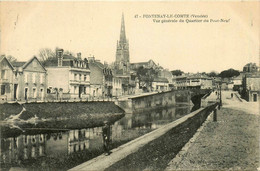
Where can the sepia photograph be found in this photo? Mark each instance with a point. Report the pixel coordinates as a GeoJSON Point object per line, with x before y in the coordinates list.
{"type": "Point", "coordinates": [129, 86]}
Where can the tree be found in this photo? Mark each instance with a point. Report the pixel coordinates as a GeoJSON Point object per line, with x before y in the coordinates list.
{"type": "Point", "coordinates": [177, 72]}
{"type": "Point", "coordinates": [229, 73]}
{"type": "Point", "coordinates": [146, 77]}
{"type": "Point", "coordinates": [10, 58]}
{"type": "Point", "coordinates": [67, 52]}
{"type": "Point", "coordinates": [49, 54]}
{"type": "Point", "coordinates": [212, 74]}
{"type": "Point", "coordinates": [45, 54]}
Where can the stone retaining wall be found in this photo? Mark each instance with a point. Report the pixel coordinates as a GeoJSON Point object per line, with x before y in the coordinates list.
{"type": "Point", "coordinates": [151, 101]}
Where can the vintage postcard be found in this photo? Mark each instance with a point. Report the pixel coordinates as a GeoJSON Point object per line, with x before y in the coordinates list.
{"type": "Point", "coordinates": [128, 85]}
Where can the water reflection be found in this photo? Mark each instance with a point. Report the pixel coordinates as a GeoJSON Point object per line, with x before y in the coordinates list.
{"type": "Point", "coordinates": [59, 146]}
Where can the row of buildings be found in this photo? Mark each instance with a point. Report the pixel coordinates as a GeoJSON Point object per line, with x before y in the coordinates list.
{"type": "Point", "coordinates": [74, 77]}
{"type": "Point", "coordinates": [71, 77]}
{"type": "Point", "coordinates": [67, 77]}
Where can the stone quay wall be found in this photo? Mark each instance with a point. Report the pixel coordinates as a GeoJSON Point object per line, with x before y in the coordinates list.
{"type": "Point", "coordinates": [157, 100]}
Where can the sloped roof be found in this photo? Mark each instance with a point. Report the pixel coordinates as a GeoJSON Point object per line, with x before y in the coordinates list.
{"type": "Point", "coordinates": [51, 62]}
{"type": "Point", "coordinates": [68, 57]}
{"type": "Point", "coordinates": [4, 58]}
{"type": "Point", "coordinates": [27, 63]}
{"type": "Point", "coordinates": [160, 80]}
{"type": "Point", "coordinates": [18, 64]}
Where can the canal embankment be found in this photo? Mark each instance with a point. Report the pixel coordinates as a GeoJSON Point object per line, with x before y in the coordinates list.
{"type": "Point", "coordinates": [149, 148]}
{"type": "Point", "coordinates": [144, 102]}
{"type": "Point", "coordinates": [57, 114]}
{"type": "Point", "coordinates": [57, 109]}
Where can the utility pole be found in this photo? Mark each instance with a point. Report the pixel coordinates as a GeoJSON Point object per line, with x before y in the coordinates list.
{"type": "Point", "coordinates": [220, 101]}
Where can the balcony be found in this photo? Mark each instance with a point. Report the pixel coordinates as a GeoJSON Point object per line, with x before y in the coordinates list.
{"type": "Point", "coordinates": [87, 82]}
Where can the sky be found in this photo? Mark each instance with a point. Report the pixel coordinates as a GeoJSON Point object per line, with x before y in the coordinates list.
{"type": "Point", "coordinates": [93, 28]}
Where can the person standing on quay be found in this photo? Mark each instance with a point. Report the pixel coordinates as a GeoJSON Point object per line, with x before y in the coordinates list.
{"type": "Point", "coordinates": [106, 137]}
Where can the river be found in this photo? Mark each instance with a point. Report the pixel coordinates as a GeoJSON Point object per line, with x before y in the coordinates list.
{"type": "Point", "coordinates": [61, 149]}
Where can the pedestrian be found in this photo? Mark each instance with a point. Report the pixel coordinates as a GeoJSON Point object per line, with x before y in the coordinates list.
{"type": "Point", "coordinates": [231, 95]}
{"type": "Point", "coordinates": [106, 137]}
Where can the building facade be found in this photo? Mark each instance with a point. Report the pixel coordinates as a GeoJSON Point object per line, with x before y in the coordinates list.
{"type": "Point", "coordinates": [192, 82]}
{"type": "Point", "coordinates": [68, 76]}
{"type": "Point", "coordinates": [97, 78]}
{"type": "Point", "coordinates": [108, 81]}
{"type": "Point", "coordinates": [149, 64]}
{"type": "Point", "coordinates": [160, 84]}
{"type": "Point", "coordinates": [117, 86]}
{"type": "Point", "coordinates": [251, 87]}
{"type": "Point", "coordinates": [7, 81]}
{"type": "Point", "coordinates": [31, 78]}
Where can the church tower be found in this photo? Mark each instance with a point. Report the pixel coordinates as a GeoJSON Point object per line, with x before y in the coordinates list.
{"type": "Point", "coordinates": [122, 50]}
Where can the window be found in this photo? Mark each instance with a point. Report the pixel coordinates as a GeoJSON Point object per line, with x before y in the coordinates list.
{"type": "Point", "coordinates": [41, 151]}
{"type": "Point", "coordinates": [34, 92]}
{"type": "Point", "coordinates": [80, 77]}
{"type": "Point", "coordinates": [25, 77]}
{"type": "Point", "coordinates": [26, 92]}
{"type": "Point", "coordinates": [41, 78]}
{"type": "Point", "coordinates": [33, 152]}
{"type": "Point", "coordinates": [75, 76]}
{"type": "Point", "coordinates": [25, 153]}
{"type": "Point", "coordinates": [3, 75]}
{"type": "Point", "coordinates": [34, 78]}
{"type": "Point", "coordinates": [49, 90]}
{"type": "Point", "coordinates": [85, 77]}
{"type": "Point", "coordinates": [2, 89]}
{"type": "Point", "coordinates": [84, 90]}
{"type": "Point", "coordinates": [75, 89]}
{"type": "Point", "coordinates": [25, 138]}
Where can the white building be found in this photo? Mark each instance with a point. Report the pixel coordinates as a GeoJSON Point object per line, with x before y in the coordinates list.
{"type": "Point", "coordinates": [69, 76]}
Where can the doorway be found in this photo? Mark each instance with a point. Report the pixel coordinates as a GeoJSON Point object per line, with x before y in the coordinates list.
{"type": "Point", "coordinates": [255, 97]}
{"type": "Point", "coordinates": [80, 90]}
{"type": "Point", "coordinates": [15, 91]}
{"type": "Point", "coordinates": [41, 93]}
{"type": "Point", "coordinates": [26, 93]}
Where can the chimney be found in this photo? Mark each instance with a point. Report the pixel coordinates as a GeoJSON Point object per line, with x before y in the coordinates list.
{"type": "Point", "coordinates": [91, 59]}
{"type": "Point", "coordinates": [79, 55]}
{"type": "Point", "coordinates": [59, 55]}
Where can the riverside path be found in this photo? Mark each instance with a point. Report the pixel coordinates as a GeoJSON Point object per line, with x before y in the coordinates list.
{"type": "Point", "coordinates": [231, 143]}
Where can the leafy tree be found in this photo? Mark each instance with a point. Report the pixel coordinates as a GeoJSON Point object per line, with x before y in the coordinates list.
{"type": "Point", "coordinates": [212, 74]}
{"type": "Point", "coordinates": [146, 77]}
{"type": "Point", "coordinates": [229, 73]}
{"type": "Point", "coordinates": [177, 72]}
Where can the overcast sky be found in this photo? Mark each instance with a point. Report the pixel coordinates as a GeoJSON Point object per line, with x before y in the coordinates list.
{"type": "Point", "coordinates": [94, 28]}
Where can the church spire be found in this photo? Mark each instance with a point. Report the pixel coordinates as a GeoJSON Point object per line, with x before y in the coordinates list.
{"type": "Point", "coordinates": [122, 50]}
{"type": "Point", "coordinates": [122, 31]}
